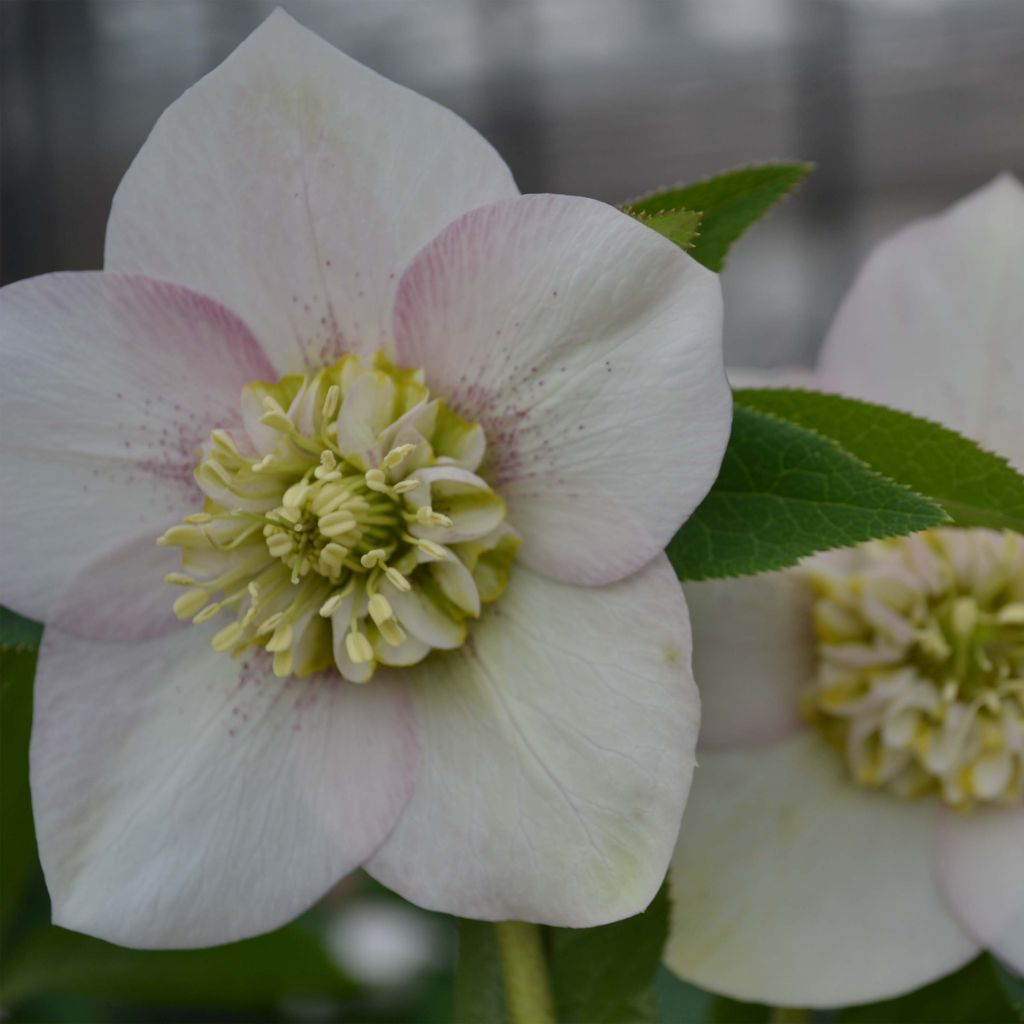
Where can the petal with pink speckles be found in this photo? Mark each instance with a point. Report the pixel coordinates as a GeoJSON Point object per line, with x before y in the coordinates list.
{"type": "Point", "coordinates": [111, 383]}
{"type": "Point", "coordinates": [183, 798]}
{"type": "Point", "coordinates": [295, 185]}
{"type": "Point", "coordinates": [933, 323]}
{"type": "Point", "coordinates": [589, 347]}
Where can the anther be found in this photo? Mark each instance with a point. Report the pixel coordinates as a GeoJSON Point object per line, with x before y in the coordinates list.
{"type": "Point", "coordinates": [190, 602]}
{"type": "Point", "coordinates": [280, 544]}
{"type": "Point", "coordinates": [404, 486]}
{"type": "Point", "coordinates": [281, 639]}
{"type": "Point", "coordinates": [432, 550]}
{"type": "Point", "coordinates": [183, 537]}
{"type": "Point", "coordinates": [332, 559]}
{"type": "Point", "coordinates": [283, 663]}
{"type": "Point", "coordinates": [179, 579]}
{"type": "Point", "coordinates": [359, 649]}
{"type": "Point", "coordinates": [398, 581]}
{"type": "Point", "coordinates": [396, 455]}
{"type": "Point", "coordinates": [334, 524]}
{"type": "Point", "coordinates": [332, 604]}
{"type": "Point", "coordinates": [372, 558]}
{"type": "Point", "coordinates": [295, 494]}
{"type": "Point", "coordinates": [207, 613]}
{"type": "Point", "coordinates": [384, 619]}
{"type": "Point", "coordinates": [331, 402]}
{"type": "Point", "coordinates": [375, 481]}
{"type": "Point", "coordinates": [275, 416]}
{"type": "Point", "coordinates": [270, 623]}
{"type": "Point", "coordinates": [223, 440]}
{"type": "Point", "coordinates": [426, 516]}
{"type": "Point", "coordinates": [226, 638]}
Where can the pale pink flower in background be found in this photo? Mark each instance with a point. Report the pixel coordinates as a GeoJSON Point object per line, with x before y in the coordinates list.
{"type": "Point", "coordinates": [792, 883]}
{"type": "Point", "coordinates": [293, 214]}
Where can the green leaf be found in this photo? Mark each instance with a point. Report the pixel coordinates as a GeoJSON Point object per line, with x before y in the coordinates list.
{"type": "Point", "coordinates": [969, 996]}
{"type": "Point", "coordinates": [728, 204]}
{"type": "Point", "coordinates": [679, 226]}
{"type": "Point", "coordinates": [17, 835]}
{"type": "Point", "coordinates": [18, 633]}
{"type": "Point", "coordinates": [784, 492]}
{"type": "Point", "coordinates": [975, 487]}
{"type": "Point", "coordinates": [1012, 985]}
{"type": "Point", "coordinates": [606, 975]}
{"type": "Point", "coordinates": [680, 1000]}
{"type": "Point", "coordinates": [287, 963]}
{"type": "Point", "coordinates": [479, 987]}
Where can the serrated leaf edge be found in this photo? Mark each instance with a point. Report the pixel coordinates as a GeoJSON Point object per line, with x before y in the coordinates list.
{"type": "Point", "coordinates": [808, 165]}
{"type": "Point", "coordinates": [826, 547]}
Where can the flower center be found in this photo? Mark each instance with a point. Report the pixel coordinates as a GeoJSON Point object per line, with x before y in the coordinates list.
{"type": "Point", "coordinates": [344, 524]}
{"type": "Point", "coordinates": [920, 681]}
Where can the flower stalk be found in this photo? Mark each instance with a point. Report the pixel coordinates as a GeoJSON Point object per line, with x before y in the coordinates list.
{"type": "Point", "coordinates": [524, 969]}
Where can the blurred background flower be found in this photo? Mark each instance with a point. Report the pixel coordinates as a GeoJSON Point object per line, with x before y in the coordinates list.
{"type": "Point", "coordinates": [904, 105]}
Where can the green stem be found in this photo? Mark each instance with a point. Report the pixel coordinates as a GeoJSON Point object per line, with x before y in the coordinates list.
{"type": "Point", "coordinates": [524, 967]}
{"type": "Point", "coordinates": [790, 1015]}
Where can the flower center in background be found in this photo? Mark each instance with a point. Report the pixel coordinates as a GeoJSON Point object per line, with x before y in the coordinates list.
{"type": "Point", "coordinates": [344, 525]}
{"type": "Point", "coordinates": [920, 680]}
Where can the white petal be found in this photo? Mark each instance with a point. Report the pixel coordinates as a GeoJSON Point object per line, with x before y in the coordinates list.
{"type": "Point", "coordinates": [111, 383]}
{"type": "Point", "coordinates": [792, 886]}
{"type": "Point", "coordinates": [183, 798]}
{"type": "Point", "coordinates": [933, 323]}
{"type": "Point", "coordinates": [589, 347]}
{"type": "Point", "coordinates": [753, 652]}
{"type": "Point", "coordinates": [295, 185]}
{"type": "Point", "coordinates": [981, 859]}
{"type": "Point", "coordinates": [557, 750]}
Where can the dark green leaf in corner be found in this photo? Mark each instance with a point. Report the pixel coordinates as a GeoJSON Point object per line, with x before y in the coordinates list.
{"type": "Point", "coordinates": [1012, 985]}
{"type": "Point", "coordinates": [606, 975]}
{"type": "Point", "coordinates": [17, 835]}
{"type": "Point", "coordinates": [785, 492]}
{"type": "Point", "coordinates": [679, 226]}
{"type": "Point", "coordinates": [18, 633]}
{"type": "Point", "coordinates": [288, 963]}
{"type": "Point", "coordinates": [975, 487]}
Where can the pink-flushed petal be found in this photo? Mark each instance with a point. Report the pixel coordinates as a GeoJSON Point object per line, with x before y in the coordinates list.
{"type": "Point", "coordinates": [558, 746]}
{"type": "Point", "coordinates": [793, 886]}
{"type": "Point", "coordinates": [294, 185]}
{"type": "Point", "coordinates": [183, 798]}
{"type": "Point", "coordinates": [111, 383]}
{"type": "Point", "coordinates": [981, 864]}
{"type": "Point", "coordinates": [933, 322]}
{"type": "Point", "coordinates": [122, 596]}
{"type": "Point", "coordinates": [753, 652]}
{"type": "Point", "coordinates": [590, 349]}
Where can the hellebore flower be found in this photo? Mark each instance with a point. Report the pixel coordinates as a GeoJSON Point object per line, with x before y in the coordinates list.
{"type": "Point", "coordinates": [348, 375]}
{"type": "Point", "coordinates": [857, 824]}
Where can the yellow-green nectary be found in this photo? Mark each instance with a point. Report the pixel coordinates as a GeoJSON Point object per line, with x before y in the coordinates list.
{"type": "Point", "coordinates": [346, 526]}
